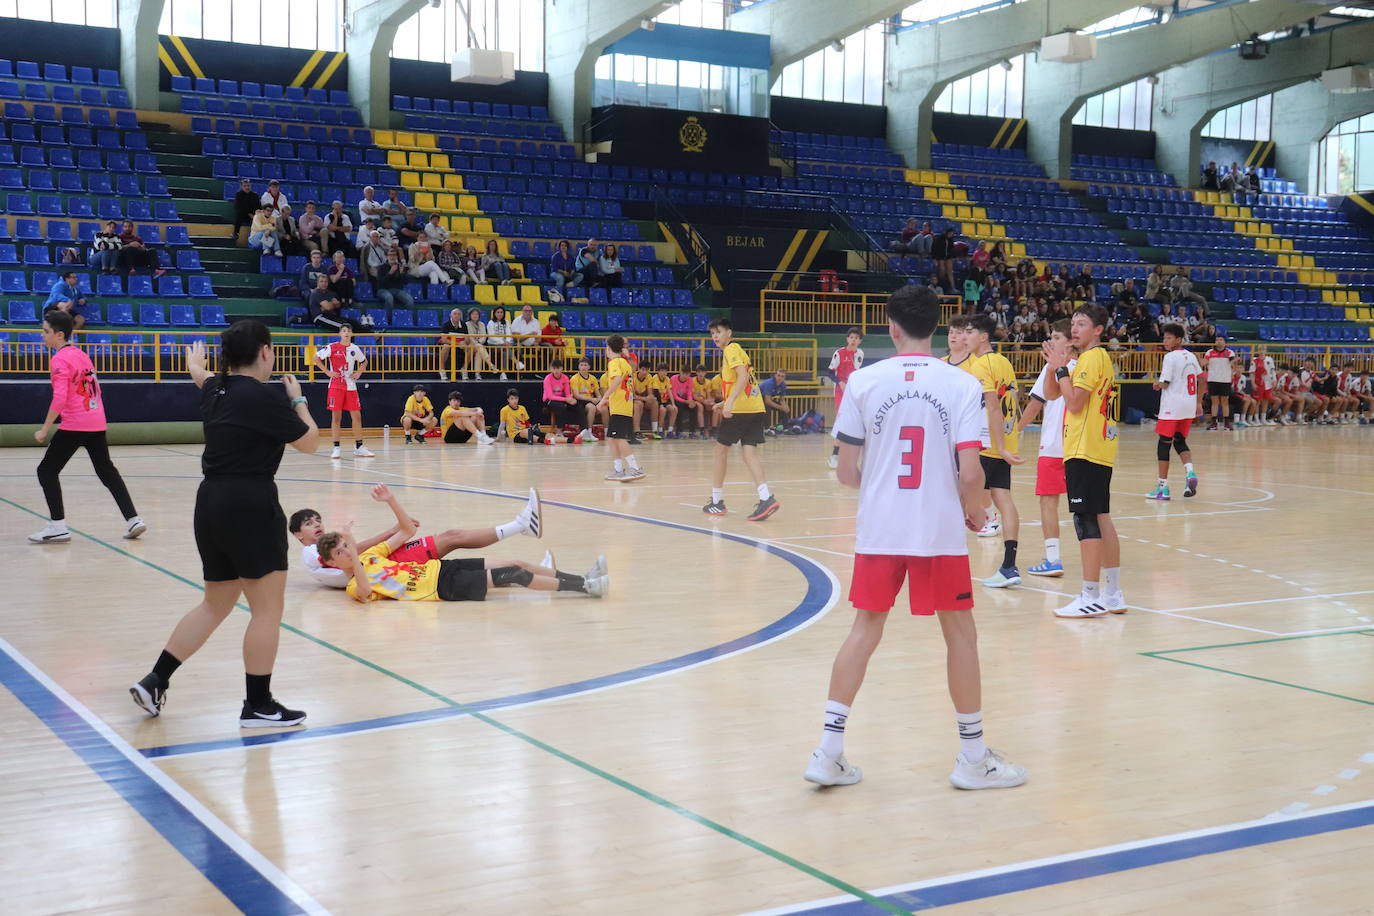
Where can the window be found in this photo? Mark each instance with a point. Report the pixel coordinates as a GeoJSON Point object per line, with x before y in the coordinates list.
{"type": "Point", "coordinates": [1127, 107]}
{"type": "Point", "coordinates": [76, 12]}
{"type": "Point", "coordinates": [631, 79]}
{"type": "Point", "coordinates": [1128, 21]}
{"type": "Point", "coordinates": [436, 34]}
{"type": "Point", "coordinates": [928, 12]}
{"type": "Point", "coordinates": [1345, 157]}
{"type": "Point", "coordinates": [995, 92]}
{"type": "Point", "coordinates": [1250, 120]}
{"type": "Point", "coordinates": [308, 24]}
{"type": "Point", "coordinates": [855, 73]}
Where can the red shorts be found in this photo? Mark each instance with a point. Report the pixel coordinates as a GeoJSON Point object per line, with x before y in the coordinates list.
{"type": "Point", "coordinates": [1264, 394]}
{"type": "Point", "coordinates": [1049, 476]}
{"type": "Point", "coordinates": [933, 583]}
{"type": "Point", "coordinates": [1170, 428]}
{"type": "Point", "coordinates": [839, 397]}
{"type": "Point", "coordinates": [342, 399]}
{"type": "Point", "coordinates": [420, 550]}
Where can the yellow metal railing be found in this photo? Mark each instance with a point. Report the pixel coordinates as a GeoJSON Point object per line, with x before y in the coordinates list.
{"type": "Point", "coordinates": [833, 311]}
{"type": "Point", "coordinates": [160, 355]}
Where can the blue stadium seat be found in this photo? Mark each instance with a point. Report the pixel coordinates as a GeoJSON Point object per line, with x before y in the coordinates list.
{"type": "Point", "coordinates": [119, 314]}
{"type": "Point", "coordinates": [182, 316]}
{"type": "Point", "coordinates": [199, 286]}
{"type": "Point", "coordinates": [23, 312]}
{"type": "Point", "coordinates": [152, 316]}
{"type": "Point", "coordinates": [212, 316]}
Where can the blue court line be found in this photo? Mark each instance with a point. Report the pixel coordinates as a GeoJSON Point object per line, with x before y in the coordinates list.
{"type": "Point", "coordinates": [820, 592]}
{"type": "Point", "coordinates": [940, 892]}
{"type": "Point", "coordinates": [203, 847]}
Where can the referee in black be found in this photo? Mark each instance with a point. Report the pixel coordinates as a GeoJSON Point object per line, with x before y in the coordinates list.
{"type": "Point", "coordinates": [239, 525]}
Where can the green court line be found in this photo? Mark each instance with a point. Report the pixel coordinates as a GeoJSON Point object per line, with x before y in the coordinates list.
{"type": "Point", "coordinates": [513, 732]}
{"type": "Point", "coordinates": [1254, 677]}
{"type": "Point", "coordinates": [1257, 642]}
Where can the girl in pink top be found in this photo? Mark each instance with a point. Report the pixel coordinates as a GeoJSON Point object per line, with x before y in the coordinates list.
{"type": "Point", "coordinates": [558, 397]}
{"type": "Point", "coordinates": [76, 399]}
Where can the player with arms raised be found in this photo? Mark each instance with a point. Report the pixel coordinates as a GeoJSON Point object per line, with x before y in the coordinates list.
{"type": "Point", "coordinates": [916, 422]}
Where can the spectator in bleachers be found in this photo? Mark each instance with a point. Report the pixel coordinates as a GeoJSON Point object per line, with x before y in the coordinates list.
{"type": "Point", "coordinates": [980, 257]}
{"type": "Point", "coordinates": [1201, 331]}
{"type": "Point", "coordinates": [337, 228]}
{"type": "Point", "coordinates": [372, 255]}
{"type": "Point", "coordinates": [309, 225]}
{"type": "Point", "coordinates": [920, 245]}
{"type": "Point", "coordinates": [273, 199]}
{"type": "Point", "coordinates": [1252, 180]}
{"type": "Point", "coordinates": [1181, 291]}
{"type": "Point", "coordinates": [997, 258]}
{"type": "Point", "coordinates": [390, 282]}
{"type": "Point", "coordinates": [411, 229]}
{"type": "Point", "coordinates": [421, 264]}
{"type": "Point", "coordinates": [973, 293]}
{"type": "Point", "coordinates": [311, 272]}
{"type": "Point", "coordinates": [1085, 277]}
{"type": "Point", "coordinates": [370, 209]}
{"type": "Point", "coordinates": [611, 273]}
{"type": "Point", "coordinates": [498, 336]}
{"type": "Point", "coordinates": [450, 260]}
{"type": "Point", "coordinates": [589, 262]}
{"type": "Point", "coordinates": [134, 255]}
{"type": "Point", "coordinates": [289, 233]}
{"type": "Point", "coordinates": [66, 296]}
{"type": "Point", "coordinates": [326, 312]}
{"type": "Point", "coordinates": [1211, 181]}
{"type": "Point", "coordinates": [933, 284]}
{"type": "Point", "coordinates": [388, 234]}
{"type": "Point", "coordinates": [1234, 179]}
{"type": "Point", "coordinates": [902, 244]}
{"type": "Point", "coordinates": [527, 333]}
{"type": "Point", "coordinates": [552, 333]}
{"type": "Point", "coordinates": [942, 252]}
{"type": "Point", "coordinates": [472, 265]}
{"type": "Point", "coordinates": [563, 266]}
{"type": "Point", "coordinates": [107, 245]}
{"type": "Point", "coordinates": [262, 234]}
{"type": "Point", "coordinates": [246, 203]}
{"type": "Point", "coordinates": [474, 342]}
{"type": "Point", "coordinates": [436, 233]}
{"type": "Point", "coordinates": [1141, 328]}
{"type": "Point", "coordinates": [1157, 285]}
{"type": "Point", "coordinates": [494, 264]}
{"type": "Point", "coordinates": [395, 207]}
{"type": "Point", "coordinates": [1126, 296]}
{"type": "Point", "coordinates": [341, 279]}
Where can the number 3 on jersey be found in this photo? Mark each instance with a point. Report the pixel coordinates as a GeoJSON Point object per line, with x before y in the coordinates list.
{"type": "Point", "coordinates": [915, 438]}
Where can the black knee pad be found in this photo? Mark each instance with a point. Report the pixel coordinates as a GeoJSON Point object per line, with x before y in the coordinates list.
{"type": "Point", "coordinates": [1086, 527]}
{"type": "Point", "coordinates": [1180, 444]}
{"type": "Point", "coordinates": [1162, 448]}
{"type": "Point", "coordinates": [506, 576]}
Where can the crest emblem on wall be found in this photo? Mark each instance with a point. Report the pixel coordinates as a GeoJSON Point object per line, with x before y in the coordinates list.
{"type": "Point", "coordinates": [692, 135]}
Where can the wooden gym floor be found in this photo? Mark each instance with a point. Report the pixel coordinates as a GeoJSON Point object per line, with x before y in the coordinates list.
{"type": "Point", "coordinates": [1210, 751]}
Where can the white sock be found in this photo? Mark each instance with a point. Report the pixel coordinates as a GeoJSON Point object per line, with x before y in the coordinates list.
{"type": "Point", "coordinates": [510, 529]}
{"type": "Point", "coordinates": [764, 492]}
{"type": "Point", "coordinates": [832, 736]}
{"type": "Point", "coordinates": [1052, 549]}
{"type": "Point", "coordinates": [717, 495]}
{"type": "Point", "coordinates": [619, 466]}
{"type": "Point", "coordinates": [1090, 591]}
{"type": "Point", "coordinates": [633, 462]}
{"type": "Point", "coordinates": [61, 523]}
{"type": "Point", "coordinates": [1163, 481]}
{"type": "Point", "coordinates": [1113, 580]}
{"type": "Point", "coordinates": [654, 426]}
{"type": "Point", "coordinates": [1188, 468]}
{"type": "Point", "coordinates": [971, 735]}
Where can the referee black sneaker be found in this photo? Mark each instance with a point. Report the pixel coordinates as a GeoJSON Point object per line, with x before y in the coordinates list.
{"type": "Point", "coordinates": [149, 695]}
{"type": "Point", "coordinates": [273, 715]}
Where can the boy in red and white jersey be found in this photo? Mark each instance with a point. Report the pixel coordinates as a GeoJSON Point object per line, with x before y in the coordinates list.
{"type": "Point", "coordinates": [1263, 372]}
{"type": "Point", "coordinates": [916, 422]}
{"type": "Point", "coordinates": [343, 362]}
{"type": "Point", "coordinates": [843, 363]}
{"type": "Point", "coordinates": [1363, 392]}
{"type": "Point", "coordinates": [1345, 376]}
{"type": "Point", "coordinates": [1049, 468]}
{"type": "Point", "coordinates": [1243, 391]}
{"type": "Point", "coordinates": [1180, 401]}
{"type": "Point", "coordinates": [1218, 363]}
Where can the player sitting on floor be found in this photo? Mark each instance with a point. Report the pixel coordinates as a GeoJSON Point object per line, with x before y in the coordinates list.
{"type": "Point", "coordinates": [458, 424]}
{"type": "Point", "coordinates": [308, 527]}
{"type": "Point", "coordinates": [515, 420]}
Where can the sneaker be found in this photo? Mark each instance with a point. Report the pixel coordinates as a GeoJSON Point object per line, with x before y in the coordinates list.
{"type": "Point", "coordinates": [633, 474]}
{"type": "Point", "coordinates": [1046, 568]}
{"type": "Point", "coordinates": [1160, 492]}
{"type": "Point", "coordinates": [52, 533]}
{"type": "Point", "coordinates": [1241, 424]}
{"type": "Point", "coordinates": [635, 439]}
{"type": "Point", "coordinates": [597, 587]}
{"type": "Point", "coordinates": [618, 476]}
{"type": "Point", "coordinates": [273, 715]}
{"type": "Point", "coordinates": [832, 462]}
{"type": "Point", "coordinates": [991, 528]}
{"type": "Point", "coordinates": [335, 452]}
{"type": "Point", "coordinates": [1003, 578]}
{"type": "Point", "coordinates": [533, 515]}
{"type": "Point", "coordinates": [134, 527]}
{"type": "Point", "coordinates": [1212, 426]}
{"type": "Point", "coordinates": [148, 696]}
{"type": "Point", "coordinates": [600, 569]}
{"type": "Point", "coordinates": [714, 508]}
{"type": "Point", "coordinates": [1081, 607]}
{"type": "Point", "coordinates": [484, 439]}
{"type": "Point", "coordinates": [519, 365]}
{"type": "Point", "coordinates": [549, 562]}
{"type": "Point", "coordinates": [420, 440]}
{"type": "Point", "coordinates": [1190, 485]}
{"type": "Point", "coordinates": [463, 374]}
{"type": "Point", "coordinates": [992, 772]}
{"type": "Point", "coordinates": [363, 451]}
{"type": "Point", "coordinates": [764, 509]}
{"type": "Point", "coordinates": [1230, 427]}
{"type": "Point", "coordinates": [1115, 603]}
{"type": "Point", "coordinates": [503, 377]}
{"type": "Point", "coordinates": [586, 436]}
{"type": "Point", "coordinates": [825, 770]}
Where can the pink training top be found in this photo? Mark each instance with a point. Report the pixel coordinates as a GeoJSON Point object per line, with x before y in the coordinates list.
{"type": "Point", "coordinates": [682, 388]}
{"type": "Point", "coordinates": [557, 389]}
{"type": "Point", "coordinates": [75, 391]}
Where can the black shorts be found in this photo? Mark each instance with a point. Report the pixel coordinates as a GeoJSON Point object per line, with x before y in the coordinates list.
{"type": "Point", "coordinates": [457, 436]}
{"type": "Point", "coordinates": [1089, 486]}
{"type": "Point", "coordinates": [240, 528]}
{"type": "Point", "coordinates": [1219, 389]}
{"type": "Point", "coordinates": [621, 427]}
{"type": "Point", "coordinates": [744, 428]}
{"type": "Point", "coordinates": [463, 580]}
{"type": "Point", "coordinates": [996, 473]}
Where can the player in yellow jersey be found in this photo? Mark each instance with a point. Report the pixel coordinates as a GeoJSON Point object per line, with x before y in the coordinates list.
{"type": "Point", "coordinates": [661, 386]}
{"type": "Point", "coordinates": [708, 396]}
{"type": "Point", "coordinates": [645, 401]}
{"type": "Point", "coordinates": [741, 420]}
{"type": "Point", "coordinates": [619, 374]}
{"type": "Point", "coordinates": [418, 412]}
{"type": "Point", "coordinates": [586, 392]}
{"type": "Point", "coordinates": [998, 378]}
{"type": "Point", "coordinates": [1090, 441]}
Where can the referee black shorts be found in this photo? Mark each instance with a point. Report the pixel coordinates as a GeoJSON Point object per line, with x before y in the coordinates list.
{"type": "Point", "coordinates": [240, 528]}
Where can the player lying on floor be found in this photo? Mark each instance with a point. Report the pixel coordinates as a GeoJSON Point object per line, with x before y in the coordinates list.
{"type": "Point", "coordinates": [308, 527]}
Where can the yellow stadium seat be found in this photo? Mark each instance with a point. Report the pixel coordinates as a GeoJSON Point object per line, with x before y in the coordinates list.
{"type": "Point", "coordinates": [1304, 276]}
{"type": "Point", "coordinates": [410, 180]}
{"type": "Point", "coordinates": [418, 160]}
{"type": "Point", "coordinates": [1328, 296]}
{"type": "Point", "coordinates": [467, 203]}
{"type": "Point", "coordinates": [453, 182]}
{"type": "Point", "coordinates": [506, 295]}
{"type": "Point", "coordinates": [530, 295]}
{"type": "Point", "coordinates": [482, 226]}
{"type": "Point", "coordinates": [426, 141]}
{"type": "Point", "coordinates": [459, 225]}
{"type": "Point", "coordinates": [444, 202]}
{"type": "Point", "coordinates": [431, 180]}
{"type": "Point", "coordinates": [424, 201]}
{"type": "Point", "coordinates": [383, 138]}
{"type": "Point", "coordinates": [405, 138]}
{"type": "Point", "coordinates": [438, 162]}
{"type": "Point", "coordinates": [484, 293]}
{"type": "Point", "coordinates": [396, 159]}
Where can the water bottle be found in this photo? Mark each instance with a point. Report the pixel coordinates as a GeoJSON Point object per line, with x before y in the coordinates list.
{"type": "Point", "coordinates": [386, 436]}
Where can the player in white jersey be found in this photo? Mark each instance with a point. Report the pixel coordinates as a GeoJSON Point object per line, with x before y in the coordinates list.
{"type": "Point", "coordinates": [342, 361]}
{"type": "Point", "coordinates": [1180, 402]}
{"type": "Point", "coordinates": [843, 364]}
{"type": "Point", "coordinates": [1363, 392]}
{"type": "Point", "coordinates": [1049, 467]}
{"type": "Point", "coordinates": [916, 422]}
{"type": "Point", "coordinates": [1218, 361]}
